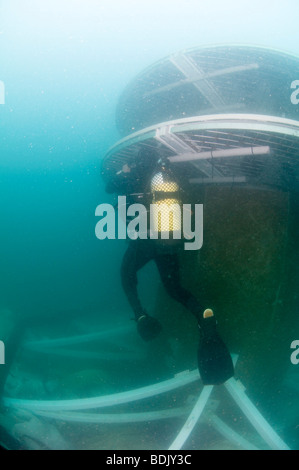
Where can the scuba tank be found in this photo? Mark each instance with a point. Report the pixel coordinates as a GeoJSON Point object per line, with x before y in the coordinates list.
{"type": "Point", "coordinates": [166, 205]}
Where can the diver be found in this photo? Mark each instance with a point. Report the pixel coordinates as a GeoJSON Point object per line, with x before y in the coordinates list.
{"type": "Point", "coordinates": [148, 178]}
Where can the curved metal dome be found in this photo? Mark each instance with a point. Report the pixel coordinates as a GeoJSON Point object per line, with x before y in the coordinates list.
{"type": "Point", "coordinates": [210, 80]}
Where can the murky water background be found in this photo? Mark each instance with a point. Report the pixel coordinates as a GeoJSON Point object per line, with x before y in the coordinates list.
{"type": "Point", "coordinates": [64, 66]}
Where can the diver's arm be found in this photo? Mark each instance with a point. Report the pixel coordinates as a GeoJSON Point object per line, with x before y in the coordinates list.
{"type": "Point", "coordinates": [121, 182]}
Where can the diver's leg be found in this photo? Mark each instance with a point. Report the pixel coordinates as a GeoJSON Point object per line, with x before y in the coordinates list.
{"type": "Point", "coordinates": [169, 269]}
{"type": "Point", "coordinates": [137, 255]}
{"type": "Point", "coordinates": [214, 360]}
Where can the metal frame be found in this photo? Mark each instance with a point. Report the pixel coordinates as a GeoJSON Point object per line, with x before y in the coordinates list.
{"type": "Point", "coordinates": [231, 122]}
{"type": "Point", "coordinates": [219, 78]}
{"type": "Point", "coordinates": [217, 148]}
{"type": "Point", "coordinates": [204, 410]}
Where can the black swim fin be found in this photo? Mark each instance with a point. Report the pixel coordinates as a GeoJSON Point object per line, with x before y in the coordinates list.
{"type": "Point", "coordinates": [215, 364]}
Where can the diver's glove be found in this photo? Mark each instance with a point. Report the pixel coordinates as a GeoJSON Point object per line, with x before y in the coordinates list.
{"type": "Point", "coordinates": [148, 327]}
{"type": "Point", "coordinates": [214, 360]}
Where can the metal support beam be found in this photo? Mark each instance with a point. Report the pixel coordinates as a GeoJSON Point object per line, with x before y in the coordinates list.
{"type": "Point", "coordinates": [173, 142]}
{"type": "Point", "coordinates": [196, 75]}
{"type": "Point", "coordinates": [187, 81]}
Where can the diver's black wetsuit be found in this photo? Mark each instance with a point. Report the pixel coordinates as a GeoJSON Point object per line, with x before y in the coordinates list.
{"type": "Point", "coordinates": [214, 361]}
{"type": "Point", "coordinates": [140, 252]}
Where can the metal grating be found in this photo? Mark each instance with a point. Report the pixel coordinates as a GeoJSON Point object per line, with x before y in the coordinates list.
{"type": "Point", "coordinates": [257, 150]}
{"type": "Point", "coordinates": [210, 80]}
